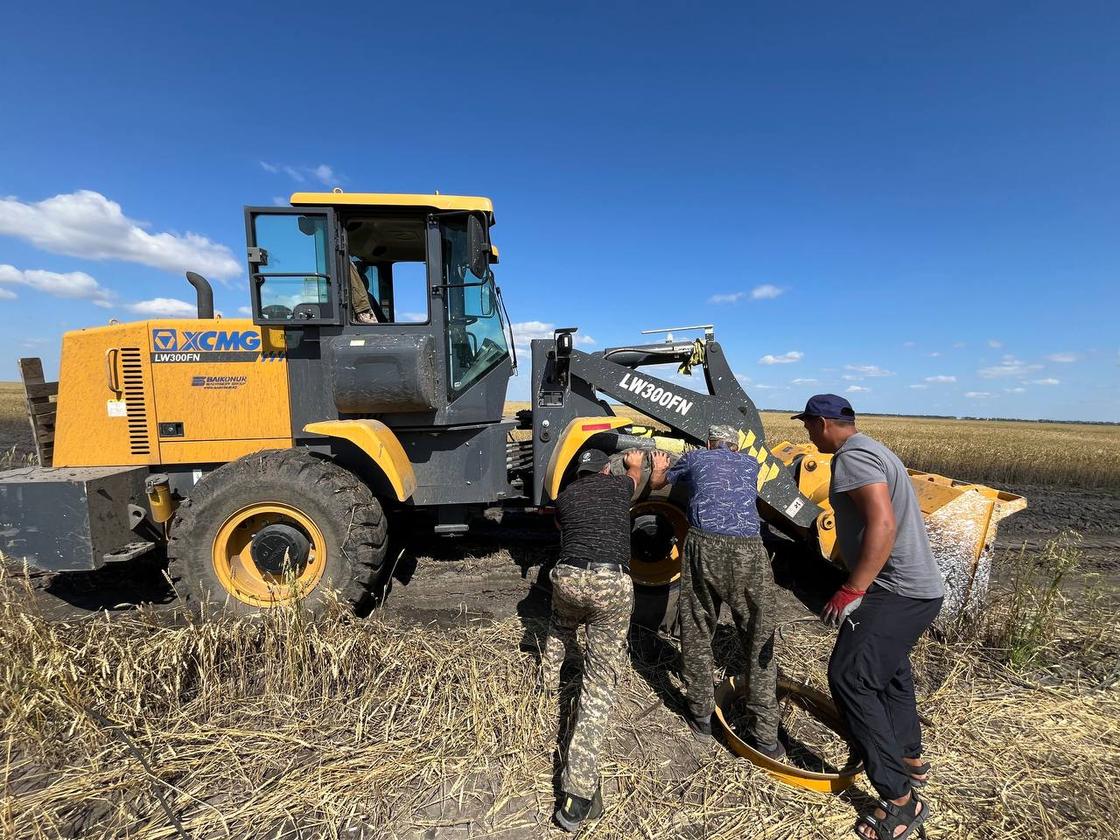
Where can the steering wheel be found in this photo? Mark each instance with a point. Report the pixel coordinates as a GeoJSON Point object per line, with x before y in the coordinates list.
{"type": "Point", "coordinates": [276, 312]}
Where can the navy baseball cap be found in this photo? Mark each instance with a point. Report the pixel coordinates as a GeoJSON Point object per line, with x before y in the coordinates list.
{"type": "Point", "coordinates": [591, 460]}
{"type": "Point", "coordinates": [829, 406]}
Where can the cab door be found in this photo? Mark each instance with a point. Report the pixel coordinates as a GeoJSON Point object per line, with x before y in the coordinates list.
{"type": "Point", "coordinates": [294, 270]}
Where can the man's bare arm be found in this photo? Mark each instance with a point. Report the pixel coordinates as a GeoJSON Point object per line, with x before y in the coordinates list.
{"type": "Point", "coordinates": [660, 468]}
{"type": "Point", "coordinates": [632, 460]}
{"type": "Point", "coordinates": [874, 502]}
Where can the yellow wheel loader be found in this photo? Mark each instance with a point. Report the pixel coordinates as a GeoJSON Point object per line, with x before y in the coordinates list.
{"type": "Point", "coordinates": [271, 454]}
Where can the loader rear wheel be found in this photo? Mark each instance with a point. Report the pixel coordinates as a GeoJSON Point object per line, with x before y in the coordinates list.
{"type": "Point", "coordinates": [278, 527]}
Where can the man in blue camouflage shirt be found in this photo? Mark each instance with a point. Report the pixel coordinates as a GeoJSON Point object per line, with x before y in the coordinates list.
{"type": "Point", "coordinates": [725, 563]}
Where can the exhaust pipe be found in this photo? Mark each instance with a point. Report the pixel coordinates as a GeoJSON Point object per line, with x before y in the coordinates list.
{"type": "Point", "coordinates": [204, 293]}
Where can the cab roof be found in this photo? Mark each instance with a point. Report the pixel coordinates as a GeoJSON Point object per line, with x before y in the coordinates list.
{"type": "Point", "coordinates": [436, 202]}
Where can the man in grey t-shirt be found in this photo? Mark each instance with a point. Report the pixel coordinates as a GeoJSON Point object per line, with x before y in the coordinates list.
{"type": "Point", "coordinates": [893, 593]}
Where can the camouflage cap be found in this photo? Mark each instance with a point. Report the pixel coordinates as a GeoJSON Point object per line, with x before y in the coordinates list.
{"type": "Point", "coordinates": [724, 434]}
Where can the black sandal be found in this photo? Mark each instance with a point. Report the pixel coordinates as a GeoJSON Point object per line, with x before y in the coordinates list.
{"type": "Point", "coordinates": [916, 770]}
{"type": "Point", "coordinates": [907, 815]}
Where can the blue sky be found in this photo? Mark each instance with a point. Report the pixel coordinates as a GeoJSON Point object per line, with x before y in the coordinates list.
{"type": "Point", "coordinates": [913, 204]}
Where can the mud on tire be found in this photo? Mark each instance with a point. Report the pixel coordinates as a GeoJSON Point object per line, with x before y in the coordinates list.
{"type": "Point", "coordinates": [347, 515]}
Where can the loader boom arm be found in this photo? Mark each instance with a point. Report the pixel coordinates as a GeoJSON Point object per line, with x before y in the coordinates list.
{"type": "Point", "coordinates": [692, 414]}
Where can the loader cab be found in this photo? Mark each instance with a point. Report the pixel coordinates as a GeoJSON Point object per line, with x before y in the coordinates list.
{"type": "Point", "coordinates": [389, 304]}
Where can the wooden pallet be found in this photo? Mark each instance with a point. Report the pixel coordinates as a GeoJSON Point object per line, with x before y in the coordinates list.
{"type": "Point", "coordinates": [41, 403]}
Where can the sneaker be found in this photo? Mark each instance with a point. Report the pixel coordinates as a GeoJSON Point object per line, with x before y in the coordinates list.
{"type": "Point", "coordinates": [775, 751]}
{"type": "Point", "coordinates": [701, 726]}
{"type": "Point", "coordinates": [575, 810]}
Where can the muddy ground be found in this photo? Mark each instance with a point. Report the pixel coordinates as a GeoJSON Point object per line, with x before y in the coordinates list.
{"type": "Point", "coordinates": [498, 569]}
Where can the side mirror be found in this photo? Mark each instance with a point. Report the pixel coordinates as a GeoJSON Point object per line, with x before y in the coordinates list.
{"type": "Point", "coordinates": [478, 247]}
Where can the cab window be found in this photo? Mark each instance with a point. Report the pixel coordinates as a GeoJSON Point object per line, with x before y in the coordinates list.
{"type": "Point", "coordinates": [388, 274]}
{"type": "Point", "coordinates": [476, 340]}
{"type": "Point", "coordinates": [293, 280]}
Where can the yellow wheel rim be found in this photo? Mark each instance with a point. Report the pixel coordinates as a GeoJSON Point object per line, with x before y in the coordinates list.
{"type": "Point", "coordinates": [731, 689]}
{"type": "Point", "coordinates": [240, 576]}
{"type": "Point", "coordinates": [667, 569]}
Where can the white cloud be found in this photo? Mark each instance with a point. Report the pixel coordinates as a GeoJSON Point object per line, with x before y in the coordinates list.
{"type": "Point", "coordinates": [164, 308]}
{"type": "Point", "coordinates": [244, 310]}
{"type": "Point", "coordinates": [935, 354]}
{"type": "Point", "coordinates": [1009, 366]}
{"type": "Point", "coordinates": [1063, 358]}
{"type": "Point", "coordinates": [958, 345]}
{"type": "Point", "coordinates": [941, 378]}
{"type": "Point", "coordinates": [75, 284]}
{"type": "Point", "coordinates": [783, 359]}
{"type": "Point", "coordinates": [730, 297]}
{"type": "Point", "coordinates": [87, 224]}
{"type": "Point", "coordinates": [323, 173]}
{"type": "Point", "coordinates": [743, 379]}
{"type": "Point", "coordinates": [766, 291]}
{"type": "Point", "coordinates": [280, 201]}
{"type": "Point", "coordinates": [804, 382]}
{"type": "Point", "coordinates": [909, 344]}
{"type": "Point", "coordinates": [1015, 390]}
{"type": "Point", "coordinates": [978, 395]}
{"type": "Point", "coordinates": [994, 343]}
{"type": "Point", "coordinates": [869, 370]}
{"type": "Point", "coordinates": [1047, 381]}
{"type": "Point", "coordinates": [6, 294]}
{"type": "Point", "coordinates": [847, 377]}
{"type": "Point", "coordinates": [526, 331]}
{"type": "Point", "coordinates": [770, 387]}
{"type": "Point", "coordinates": [857, 389]}
{"type": "Point", "coordinates": [918, 387]}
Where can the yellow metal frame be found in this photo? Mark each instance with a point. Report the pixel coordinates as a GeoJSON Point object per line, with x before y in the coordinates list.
{"type": "Point", "coordinates": [934, 492]}
{"type": "Point", "coordinates": [378, 442]}
{"type": "Point", "coordinates": [571, 440]}
{"type": "Point", "coordinates": [436, 202]}
{"type": "Point", "coordinates": [731, 689]}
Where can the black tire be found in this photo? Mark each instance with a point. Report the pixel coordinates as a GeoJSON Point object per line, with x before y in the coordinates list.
{"type": "Point", "coordinates": [340, 505]}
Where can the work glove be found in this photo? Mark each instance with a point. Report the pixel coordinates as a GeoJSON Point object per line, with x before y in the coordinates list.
{"type": "Point", "coordinates": [842, 604]}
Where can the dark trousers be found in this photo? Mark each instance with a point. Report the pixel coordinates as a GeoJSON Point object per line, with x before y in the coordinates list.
{"type": "Point", "coordinates": [869, 675]}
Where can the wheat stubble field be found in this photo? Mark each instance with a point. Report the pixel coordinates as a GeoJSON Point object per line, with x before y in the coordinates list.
{"type": "Point", "coordinates": [120, 718]}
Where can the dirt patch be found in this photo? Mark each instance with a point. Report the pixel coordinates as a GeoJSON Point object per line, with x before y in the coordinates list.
{"type": "Point", "coordinates": [1093, 514]}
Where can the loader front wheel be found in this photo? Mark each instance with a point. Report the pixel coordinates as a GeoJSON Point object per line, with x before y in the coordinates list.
{"type": "Point", "coordinates": [658, 528]}
{"type": "Point", "coordinates": [274, 528]}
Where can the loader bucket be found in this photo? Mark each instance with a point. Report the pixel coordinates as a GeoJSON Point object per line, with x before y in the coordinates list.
{"type": "Point", "coordinates": [961, 519]}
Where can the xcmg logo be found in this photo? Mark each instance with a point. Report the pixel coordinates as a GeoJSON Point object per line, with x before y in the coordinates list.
{"type": "Point", "coordinates": [205, 341]}
{"type": "Point", "coordinates": [172, 345]}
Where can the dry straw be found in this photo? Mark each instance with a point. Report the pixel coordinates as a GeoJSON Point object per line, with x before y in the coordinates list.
{"type": "Point", "coordinates": [352, 728]}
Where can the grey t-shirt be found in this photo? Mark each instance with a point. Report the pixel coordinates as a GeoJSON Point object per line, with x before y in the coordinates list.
{"type": "Point", "coordinates": [911, 569]}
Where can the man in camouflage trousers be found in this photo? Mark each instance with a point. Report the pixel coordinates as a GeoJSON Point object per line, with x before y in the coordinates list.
{"type": "Point", "coordinates": [725, 563]}
{"type": "Point", "coordinates": [591, 586]}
